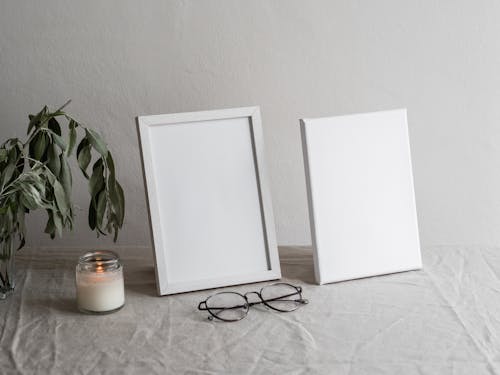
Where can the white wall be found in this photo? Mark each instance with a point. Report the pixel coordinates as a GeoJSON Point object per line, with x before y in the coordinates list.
{"type": "Point", "coordinates": [117, 59]}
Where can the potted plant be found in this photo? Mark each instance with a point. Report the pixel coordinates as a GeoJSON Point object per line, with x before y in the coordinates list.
{"type": "Point", "coordinates": [35, 174]}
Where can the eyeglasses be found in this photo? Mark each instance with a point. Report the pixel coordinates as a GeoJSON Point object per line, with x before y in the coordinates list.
{"type": "Point", "coordinates": [233, 306]}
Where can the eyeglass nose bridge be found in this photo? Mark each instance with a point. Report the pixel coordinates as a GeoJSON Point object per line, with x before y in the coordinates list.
{"type": "Point", "coordinates": [249, 293]}
{"type": "Point", "coordinates": [251, 303]}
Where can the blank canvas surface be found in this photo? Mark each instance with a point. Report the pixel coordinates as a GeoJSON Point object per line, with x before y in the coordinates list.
{"type": "Point", "coordinates": [361, 195]}
{"type": "Point", "coordinates": [208, 199]}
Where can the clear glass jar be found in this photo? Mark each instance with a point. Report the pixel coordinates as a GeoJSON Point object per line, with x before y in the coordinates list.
{"type": "Point", "coordinates": [99, 282]}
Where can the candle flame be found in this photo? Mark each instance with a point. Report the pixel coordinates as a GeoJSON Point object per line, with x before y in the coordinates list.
{"type": "Point", "coordinates": [99, 268]}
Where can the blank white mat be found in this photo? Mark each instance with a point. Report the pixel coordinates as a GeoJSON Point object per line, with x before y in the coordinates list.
{"type": "Point", "coordinates": [208, 199]}
{"type": "Point", "coordinates": [361, 195]}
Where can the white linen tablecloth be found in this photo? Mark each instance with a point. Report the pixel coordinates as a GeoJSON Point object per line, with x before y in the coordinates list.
{"type": "Point", "coordinates": [444, 319]}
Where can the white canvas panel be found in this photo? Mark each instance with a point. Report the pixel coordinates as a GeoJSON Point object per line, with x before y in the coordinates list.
{"type": "Point", "coordinates": [361, 196]}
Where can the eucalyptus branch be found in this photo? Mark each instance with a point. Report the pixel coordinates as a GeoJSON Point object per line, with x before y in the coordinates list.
{"type": "Point", "coordinates": [38, 163]}
{"type": "Point", "coordinates": [36, 174]}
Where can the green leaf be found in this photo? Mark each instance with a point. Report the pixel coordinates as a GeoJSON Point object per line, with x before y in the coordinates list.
{"type": "Point", "coordinates": [7, 174]}
{"type": "Point", "coordinates": [113, 196]}
{"type": "Point", "coordinates": [40, 146]}
{"type": "Point", "coordinates": [69, 220]}
{"type": "Point", "coordinates": [54, 126]}
{"type": "Point", "coordinates": [31, 150]}
{"type": "Point", "coordinates": [50, 228]}
{"type": "Point", "coordinates": [72, 136]}
{"type": "Point", "coordinates": [118, 202]}
{"type": "Point", "coordinates": [59, 141]}
{"type": "Point", "coordinates": [30, 198]}
{"type": "Point", "coordinates": [53, 161]}
{"type": "Point", "coordinates": [22, 242]}
{"type": "Point", "coordinates": [65, 176]}
{"type": "Point", "coordinates": [96, 181]}
{"type": "Point", "coordinates": [9, 219]}
{"type": "Point", "coordinates": [101, 208]}
{"type": "Point", "coordinates": [32, 180]}
{"type": "Point", "coordinates": [35, 194]}
{"type": "Point", "coordinates": [115, 193]}
{"type": "Point", "coordinates": [3, 155]}
{"type": "Point", "coordinates": [61, 199]}
{"type": "Point", "coordinates": [21, 227]}
{"type": "Point", "coordinates": [92, 216]}
{"type": "Point", "coordinates": [48, 175]}
{"type": "Point", "coordinates": [121, 204]}
{"type": "Point", "coordinates": [96, 142]}
{"type": "Point", "coordinates": [13, 154]}
{"type": "Point", "coordinates": [58, 224]}
{"type": "Point", "coordinates": [83, 143]}
{"type": "Point", "coordinates": [84, 157]}
{"type": "Point", "coordinates": [111, 167]}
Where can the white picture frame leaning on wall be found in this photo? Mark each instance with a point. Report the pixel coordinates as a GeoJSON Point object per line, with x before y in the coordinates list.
{"type": "Point", "coordinates": [210, 207]}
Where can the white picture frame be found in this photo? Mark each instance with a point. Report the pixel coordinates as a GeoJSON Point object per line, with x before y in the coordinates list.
{"type": "Point", "coordinates": [361, 196]}
{"type": "Point", "coordinates": [210, 206]}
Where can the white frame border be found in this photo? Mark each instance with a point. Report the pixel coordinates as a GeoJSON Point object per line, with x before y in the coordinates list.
{"type": "Point", "coordinates": [253, 113]}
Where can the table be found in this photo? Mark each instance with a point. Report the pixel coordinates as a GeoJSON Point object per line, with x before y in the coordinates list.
{"type": "Point", "coordinates": [444, 319]}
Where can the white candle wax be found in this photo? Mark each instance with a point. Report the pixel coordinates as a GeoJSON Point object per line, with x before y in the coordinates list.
{"type": "Point", "coordinates": [100, 291]}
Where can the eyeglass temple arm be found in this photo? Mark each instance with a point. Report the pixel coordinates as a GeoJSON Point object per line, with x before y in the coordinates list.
{"type": "Point", "coordinates": [281, 297]}
{"type": "Point", "coordinates": [299, 300]}
{"type": "Point", "coordinates": [202, 306]}
{"type": "Point", "coordinates": [205, 308]}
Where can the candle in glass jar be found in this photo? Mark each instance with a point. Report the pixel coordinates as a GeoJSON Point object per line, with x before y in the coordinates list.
{"type": "Point", "coordinates": [99, 282]}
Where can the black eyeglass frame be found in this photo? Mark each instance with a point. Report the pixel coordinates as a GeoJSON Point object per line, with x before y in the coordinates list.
{"type": "Point", "coordinates": [202, 306]}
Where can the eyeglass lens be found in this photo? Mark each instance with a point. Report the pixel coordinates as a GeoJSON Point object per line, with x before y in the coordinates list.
{"type": "Point", "coordinates": [227, 306]}
{"type": "Point", "coordinates": [281, 297]}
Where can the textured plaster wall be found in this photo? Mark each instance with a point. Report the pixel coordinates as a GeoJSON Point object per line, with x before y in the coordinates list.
{"type": "Point", "coordinates": [117, 59]}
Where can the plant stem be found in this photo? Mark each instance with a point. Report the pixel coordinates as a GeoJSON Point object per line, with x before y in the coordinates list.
{"type": "Point", "coordinates": [64, 105]}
